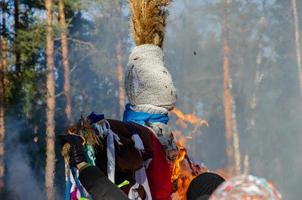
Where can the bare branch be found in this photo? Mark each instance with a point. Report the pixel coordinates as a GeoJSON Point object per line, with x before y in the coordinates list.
{"type": "Point", "coordinates": [81, 42]}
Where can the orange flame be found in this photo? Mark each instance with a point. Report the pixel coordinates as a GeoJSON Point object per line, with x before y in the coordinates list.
{"type": "Point", "coordinates": [183, 170]}
{"type": "Point", "coordinates": [190, 118]}
{"type": "Point", "coordinates": [180, 157]}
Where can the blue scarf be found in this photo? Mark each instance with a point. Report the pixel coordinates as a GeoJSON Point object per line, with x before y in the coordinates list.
{"type": "Point", "coordinates": [143, 117]}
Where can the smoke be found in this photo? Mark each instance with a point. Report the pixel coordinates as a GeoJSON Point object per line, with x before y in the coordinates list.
{"type": "Point", "coordinates": [21, 182]}
{"type": "Point", "coordinates": [269, 130]}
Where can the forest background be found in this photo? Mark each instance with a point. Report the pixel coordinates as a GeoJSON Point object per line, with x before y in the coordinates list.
{"type": "Point", "coordinates": [42, 91]}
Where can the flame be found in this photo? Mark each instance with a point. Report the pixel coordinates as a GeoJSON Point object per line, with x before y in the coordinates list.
{"type": "Point", "coordinates": [189, 118]}
{"type": "Point", "coordinates": [183, 169]}
{"type": "Point", "coordinates": [180, 157]}
{"type": "Point", "coordinates": [182, 174]}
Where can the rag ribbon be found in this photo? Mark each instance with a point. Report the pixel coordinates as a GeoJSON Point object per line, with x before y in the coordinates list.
{"type": "Point", "coordinates": [111, 137]}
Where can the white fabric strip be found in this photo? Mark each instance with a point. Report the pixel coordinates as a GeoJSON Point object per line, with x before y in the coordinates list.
{"type": "Point", "coordinates": [138, 143]}
{"type": "Point", "coordinates": [110, 157]}
{"type": "Point", "coordinates": [141, 178]}
{"type": "Point", "coordinates": [111, 137]}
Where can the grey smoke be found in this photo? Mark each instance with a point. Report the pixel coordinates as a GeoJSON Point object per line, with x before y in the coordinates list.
{"type": "Point", "coordinates": [21, 181]}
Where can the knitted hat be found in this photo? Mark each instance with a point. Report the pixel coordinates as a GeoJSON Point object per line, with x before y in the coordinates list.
{"type": "Point", "coordinates": [203, 186]}
{"type": "Point", "coordinates": [246, 187]}
{"type": "Point", "coordinates": [147, 80]}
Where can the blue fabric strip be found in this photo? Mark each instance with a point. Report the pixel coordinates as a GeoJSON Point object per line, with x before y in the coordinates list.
{"type": "Point", "coordinates": [78, 184]}
{"type": "Point", "coordinates": [68, 187]}
{"type": "Point", "coordinates": [143, 117]}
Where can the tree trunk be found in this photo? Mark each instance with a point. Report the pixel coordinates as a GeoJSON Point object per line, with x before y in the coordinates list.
{"type": "Point", "coordinates": [17, 51]}
{"type": "Point", "coordinates": [232, 139]}
{"type": "Point", "coordinates": [297, 39]}
{"type": "Point", "coordinates": [258, 74]}
{"type": "Point", "coordinates": [2, 127]}
{"type": "Point", "coordinates": [66, 66]}
{"type": "Point", "coordinates": [119, 61]}
{"type": "Point", "coordinates": [257, 80]}
{"type": "Point", "coordinates": [121, 88]}
{"type": "Point", "coordinates": [3, 67]}
{"type": "Point", "coordinates": [50, 106]}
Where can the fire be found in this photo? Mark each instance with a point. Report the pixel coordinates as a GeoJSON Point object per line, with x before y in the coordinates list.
{"type": "Point", "coordinates": [189, 118]}
{"type": "Point", "coordinates": [182, 175]}
{"type": "Point", "coordinates": [180, 157]}
{"type": "Point", "coordinates": [183, 169]}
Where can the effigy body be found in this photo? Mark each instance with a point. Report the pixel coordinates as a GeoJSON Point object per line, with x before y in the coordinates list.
{"type": "Point", "coordinates": [129, 154]}
{"type": "Point", "coordinates": [137, 153]}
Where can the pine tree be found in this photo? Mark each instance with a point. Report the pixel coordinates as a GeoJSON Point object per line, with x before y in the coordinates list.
{"type": "Point", "coordinates": [232, 139]}
{"type": "Point", "coordinates": [64, 44]}
{"type": "Point", "coordinates": [258, 76]}
{"type": "Point", "coordinates": [3, 67]}
{"type": "Point", "coordinates": [50, 106]}
{"type": "Point", "coordinates": [17, 24]}
{"type": "Point", "coordinates": [297, 41]}
{"type": "Point", "coordinates": [119, 59]}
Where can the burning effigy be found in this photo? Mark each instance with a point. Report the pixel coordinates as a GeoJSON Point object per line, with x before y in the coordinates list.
{"type": "Point", "coordinates": [140, 155]}
{"type": "Point", "coordinates": [184, 168]}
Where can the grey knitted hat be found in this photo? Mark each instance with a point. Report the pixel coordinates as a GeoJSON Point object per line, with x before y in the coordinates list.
{"type": "Point", "coordinates": [147, 80]}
